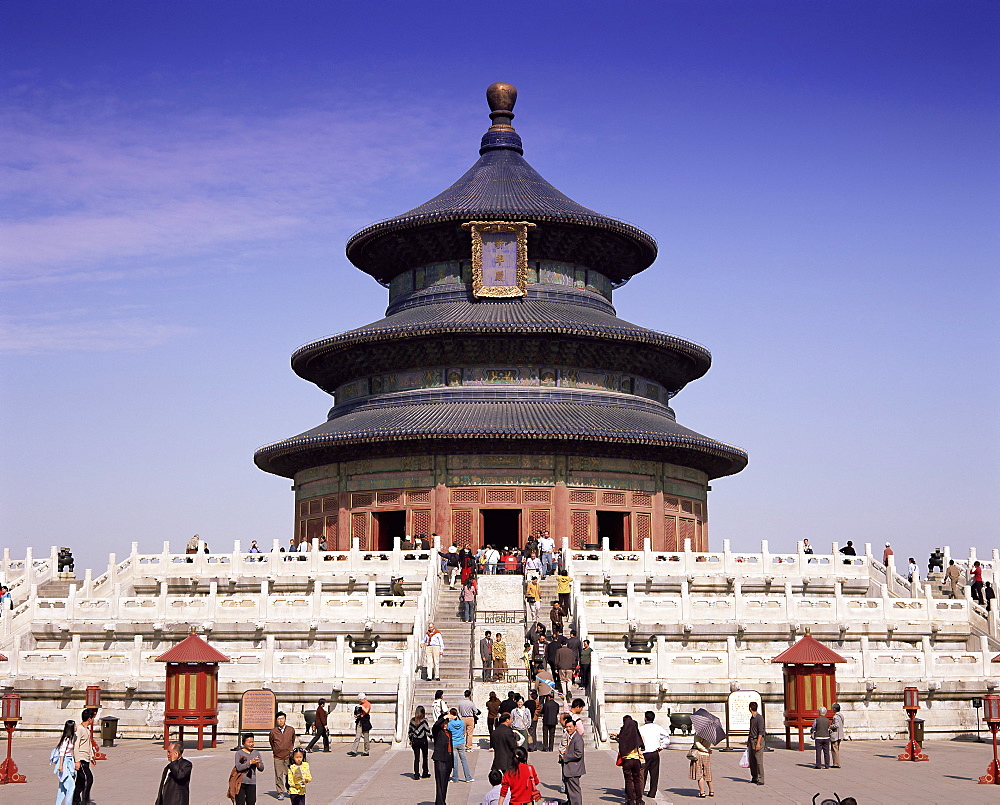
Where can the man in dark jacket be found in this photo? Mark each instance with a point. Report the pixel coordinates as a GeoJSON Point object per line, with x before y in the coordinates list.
{"type": "Point", "coordinates": [550, 717]}
{"type": "Point", "coordinates": [176, 780]}
{"type": "Point", "coordinates": [444, 759]}
{"type": "Point", "coordinates": [320, 725]}
{"type": "Point", "coordinates": [504, 742]}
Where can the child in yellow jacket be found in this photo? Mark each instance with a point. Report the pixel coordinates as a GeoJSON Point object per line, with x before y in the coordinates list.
{"type": "Point", "coordinates": [298, 777]}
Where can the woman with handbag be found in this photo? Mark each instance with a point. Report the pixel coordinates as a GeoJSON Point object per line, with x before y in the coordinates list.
{"type": "Point", "coordinates": [520, 780]}
{"type": "Point", "coordinates": [630, 748]}
{"type": "Point", "coordinates": [700, 755]}
{"type": "Point", "coordinates": [63, 759]}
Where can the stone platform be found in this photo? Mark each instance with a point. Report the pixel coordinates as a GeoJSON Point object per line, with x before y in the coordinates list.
{"type": "Point", "coordinates": [871, 774]}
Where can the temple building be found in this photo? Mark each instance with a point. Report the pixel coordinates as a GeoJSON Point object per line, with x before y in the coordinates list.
{"type": "Point", "coordinates": [500, 395]}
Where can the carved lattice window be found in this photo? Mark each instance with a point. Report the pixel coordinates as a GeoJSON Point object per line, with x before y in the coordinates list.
{"type": "Point", "coordinates": [360, 499]}
{"type": "Point", "coordinates": [359, 529]}
{"type": "Point", "coordinates": [642, 499]}
{"type": "Point", "coordinates": [643, 527]}
{"type": "Point", "coordinates": [538, 520]}
{"type": "Point", "coordinates": [461, 528]}
{"type": "Point", "coordinates": [501, 496]}
{"type": "Point", "coordinates": [420, 522]}
{"type": "Point", "coordinates": [670, 533]}
{"type": "Point", "coordinates": [389, 498]}
{"type": "Point", "coordinates": [419, 496]}
{"type": "Point", "coordinates": [537, 496]}
{"type": "Point", "coordinates": [465, 496]}
{"type": "Point", "coordinates": [614, 498]}
{"type": "Point", "coordinates": [579, 523]}
{"type": "Point", "coordinates": [582, 496]}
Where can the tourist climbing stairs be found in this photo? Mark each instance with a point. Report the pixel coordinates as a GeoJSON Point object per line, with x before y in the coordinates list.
{"type": "Point", "coordinates": [455, 661]}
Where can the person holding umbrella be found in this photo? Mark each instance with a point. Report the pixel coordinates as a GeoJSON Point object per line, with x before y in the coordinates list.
{"type": "Point", "coordinates": [707, 731]}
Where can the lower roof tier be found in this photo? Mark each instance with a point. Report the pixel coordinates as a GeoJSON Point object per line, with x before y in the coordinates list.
{"type": "Point", "coordinates": [593, 428]}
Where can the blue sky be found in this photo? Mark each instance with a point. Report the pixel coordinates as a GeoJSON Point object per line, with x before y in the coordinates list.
{"type": "Point", "coordinates": [179, 180]}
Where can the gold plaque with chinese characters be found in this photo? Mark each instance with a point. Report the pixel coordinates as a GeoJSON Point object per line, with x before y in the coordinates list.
{"type": "Point", "coordinates": [499, 258]}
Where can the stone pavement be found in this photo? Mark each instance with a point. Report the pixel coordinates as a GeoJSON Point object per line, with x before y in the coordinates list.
{"type": "Point", "coordinates": [871, 774]}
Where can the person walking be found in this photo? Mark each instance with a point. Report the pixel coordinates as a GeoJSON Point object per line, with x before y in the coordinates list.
{"type": "Point", "coordinates": [654, 739]}
{"type": "Point", "coordinates": [486, 655]}
{"type": "Point", "coordinates": [503, 742]}
{"type": "Point", "coordinates": [886, 553]}
{"type": "Point", "coordinates": [492, 558]}
{"type": "Point", "coordinates": [630, 749]}
{"type": "Point", "coordinates": [362, 726]}
{"type": "Point", "coordinates": [573, 766]}
{"type": "Point", "coordinates": [83, 754]}
{"type": "Point", "coordinates": [457, 729]}
{"type": "Point", "coordinates": [282, 740]}
{"type": "Point", "coordinates": [439, 707]}
{"type": "Point", "coordinates": [976, 576]}
{"type": "Point", "coordinates": [586, 658]}
{"type": "Point", "coordinates": [836, 734]}
{"type": "Point", "coordinates": [755, 745]}
{"type": "Point", "coordinates": [538, 650]}
{"type": "Point", "coordinates": [532, 599]}
{"type": "Point", "coordinates": [444, 759]}
{"type": "Point", "coordinates": [565, 665]}
{"type": "Point", "coordinates": [951, 577]}
{"type": "Point", "coordinates": [556, 618]}
{"type": "Point", "coordinates": [467, 712]}
{"type": "Point", "coordinates": [520, 780]}
{"type": "Point", "coordinates": [520, 722]}
{"type": "Point", "coordinates": [467, 598]}
{"type": "Point", "coordinates": [433, 643]}
{"type": "Point", "coordinates": [418, 734]}
{"type": "Point", "coordinates": [563, 589]}
{"type": "Point", "coordinates": [988, 595]}
{"type": "Point", "coordinates": [820, 732]}
{"type": "Point", "coordinates": [320, 726]}
{"type": "Point", "coordinates": [499, 658]}
{"type": "Point", "coordinates": [912, 571]}
{"type": "Point", "coordinates": [175, 782]}
{"type": "Point", "coordinates": [299, 776]}
{"type": "Point", "coordinates": [546, 545]}
{"type": "Point", "coordinates": [550, 718]}
{"type": "Point", "coordinates": [700, 770]}
{"type": "Point", "coordinates": [248, 762]}
{"type": "Point", "coordinates": [492, 712]}
{"type": "Point", "coordinates": [534, 707]}
{"type": "Point", "coordinates": [65, 765]}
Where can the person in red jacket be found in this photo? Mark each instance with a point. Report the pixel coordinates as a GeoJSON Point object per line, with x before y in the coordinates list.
{"type": "Point", "coordinates": [520, 780]}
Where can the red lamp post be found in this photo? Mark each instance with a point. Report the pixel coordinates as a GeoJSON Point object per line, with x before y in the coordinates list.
{"type": "Point", "coordinates": [10, 714]}
{"type": "Point", "coordinates": [911, 703]}
{"type": "Point", "coordinates": [991, 704]}
{"type": "Point", "coordinates": [93, 701]}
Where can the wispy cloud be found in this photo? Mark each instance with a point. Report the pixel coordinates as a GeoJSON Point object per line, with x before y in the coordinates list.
{"type": "Point", "coordinates": [81, 330]}
{"type": "Point", "coordinates": [97, 196]}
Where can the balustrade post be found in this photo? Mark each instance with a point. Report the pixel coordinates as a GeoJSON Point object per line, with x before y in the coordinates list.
{"type": "Point", "coordinates": [112, 571]}
{"type": "Point", "coordinates": [237, 566]}
{"type": "Point", "coordinates": [74, 656]}
{"type": "Point", "coordinates": [262, 607]}
{"type": "Point", "coordinates": [370, 600]}
{"type": "Point", "coordinates": [88, 582]}
{"type": "Point", "coordinates": [269, 659]}
{"type": "Point", "coordinates": [790, 613]}
{"type": "Point", "coordinates": [71, 603]}
{"type": "Point", "coordinates": [29, 566]}
{"type": "Point", "coordinates": [839, 610]}
{"type": "Point", "coordinates": [765, 557]}
{"type": "Point", "coordinates": [606, 554]}
{"type": "Point", "coordinates": [5, 567]}
{"type": "Point", "coordinates": [738, 606]}
{"type": "Point", "coordinates": [161, 602]}
{"type": "Point", "coordinates": [685, 600]}
{"type": "Point", "coordinates": [926, 657]}
{"type": "Point", "coordinates": [54, 560]}
{"type": "Point", "coordinates": [135, 658]}
{"type": "Point", "coordinates": [213, 599]}
{"type": "Point", "coordinates": [727, 557]}
{"type": "Point", "coordinates": [396, 557]}
{"type": "Point", "coordinates": [661, 657]}
{"type": "Point", "coordinates": [317, 599]}
{"type": "Point", "coordinates": [866, 660]}
{"type": "Point", "coordinates": [732, 658]}
{"type": "Point", "coordinates": [688, 558]}
{"type": "Point", "coordinates": [947, 555]}
{"type": "Point", "coordinates": [340, 658]}
{"type": "Point", "coordinates": [630, 602]}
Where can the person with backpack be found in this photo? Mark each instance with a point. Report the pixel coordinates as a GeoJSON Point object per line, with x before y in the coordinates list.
{"type": "Point", "coordinates": [520, 780]}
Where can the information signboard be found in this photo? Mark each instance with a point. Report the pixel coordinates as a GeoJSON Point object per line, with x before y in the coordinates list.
{"type": "Point", "coordinates": [258, 710]}
{"type": "Point", "coordinates": [738, 711]}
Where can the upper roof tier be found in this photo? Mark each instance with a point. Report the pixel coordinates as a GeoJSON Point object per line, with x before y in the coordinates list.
{"type": "Point", "coordinates": [502, 186]}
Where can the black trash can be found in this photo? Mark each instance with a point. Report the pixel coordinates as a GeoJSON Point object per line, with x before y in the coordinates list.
{"type": "Point", "coordinates": [109, 730]}
{"type": "Point", "coordinates": [918, 730]}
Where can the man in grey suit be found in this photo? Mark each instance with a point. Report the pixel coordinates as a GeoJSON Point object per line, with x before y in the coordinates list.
{"type": "Point", "coordinates": [486, 655]}
{"type": "Point", "coordinates": [572, 763]}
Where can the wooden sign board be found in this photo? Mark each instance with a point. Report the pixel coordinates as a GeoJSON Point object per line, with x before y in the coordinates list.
{"type": "Point", "coordinates": [738, 711]}
{"type": "Point", "coordinates": [258, 711]}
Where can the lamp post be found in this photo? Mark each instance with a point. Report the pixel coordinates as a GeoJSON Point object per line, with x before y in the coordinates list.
{"type": "Point", "coordinates": [991, 703]}
{"type": "Point", "coordinates": [911, 703]}
{"type": "Point", "coordinates": [10, 714]}
{"type": "Point", "coordinates": [93, 702]}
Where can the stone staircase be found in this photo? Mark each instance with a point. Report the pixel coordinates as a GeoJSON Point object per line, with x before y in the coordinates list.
{"type": "Point", "coordinates": [59, 587]}
{"type": "Point", "coordinates": [456, 657]}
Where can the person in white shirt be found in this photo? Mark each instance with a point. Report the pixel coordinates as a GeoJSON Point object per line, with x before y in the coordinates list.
{"type": "Point", "coordinates": [493, 795]}
{"type": "Point", "coordinates": [654, 738]}
{"type": "Point", "coordinates": [492, 559]}
{"type": "Point", "coordinates": [546, 545]}
{"type": "Point", "coordinates": [434, 643]}
{"type": "Point", "coordinates": [520, 721]}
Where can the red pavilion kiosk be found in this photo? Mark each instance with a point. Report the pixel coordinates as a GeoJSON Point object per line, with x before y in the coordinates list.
{"type": "Point", "coordinates": [192, 692]}
{"type": "Point", "coordinates": [810, 683]}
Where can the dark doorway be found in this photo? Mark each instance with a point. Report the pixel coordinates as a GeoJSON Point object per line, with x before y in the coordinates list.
{"type": "Point", "coordinates": [502, 527]}
{"type": "Point", "coordinates": [385, 526]}
{"type": "Point", "coordinates": [614, 527]}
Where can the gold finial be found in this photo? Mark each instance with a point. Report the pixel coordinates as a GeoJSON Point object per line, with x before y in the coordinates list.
{"type": "Point", "coordinates": [501, 97]}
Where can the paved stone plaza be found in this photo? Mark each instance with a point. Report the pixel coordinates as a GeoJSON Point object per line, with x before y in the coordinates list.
{"type": "Point", "coordinates": [871, 774]}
